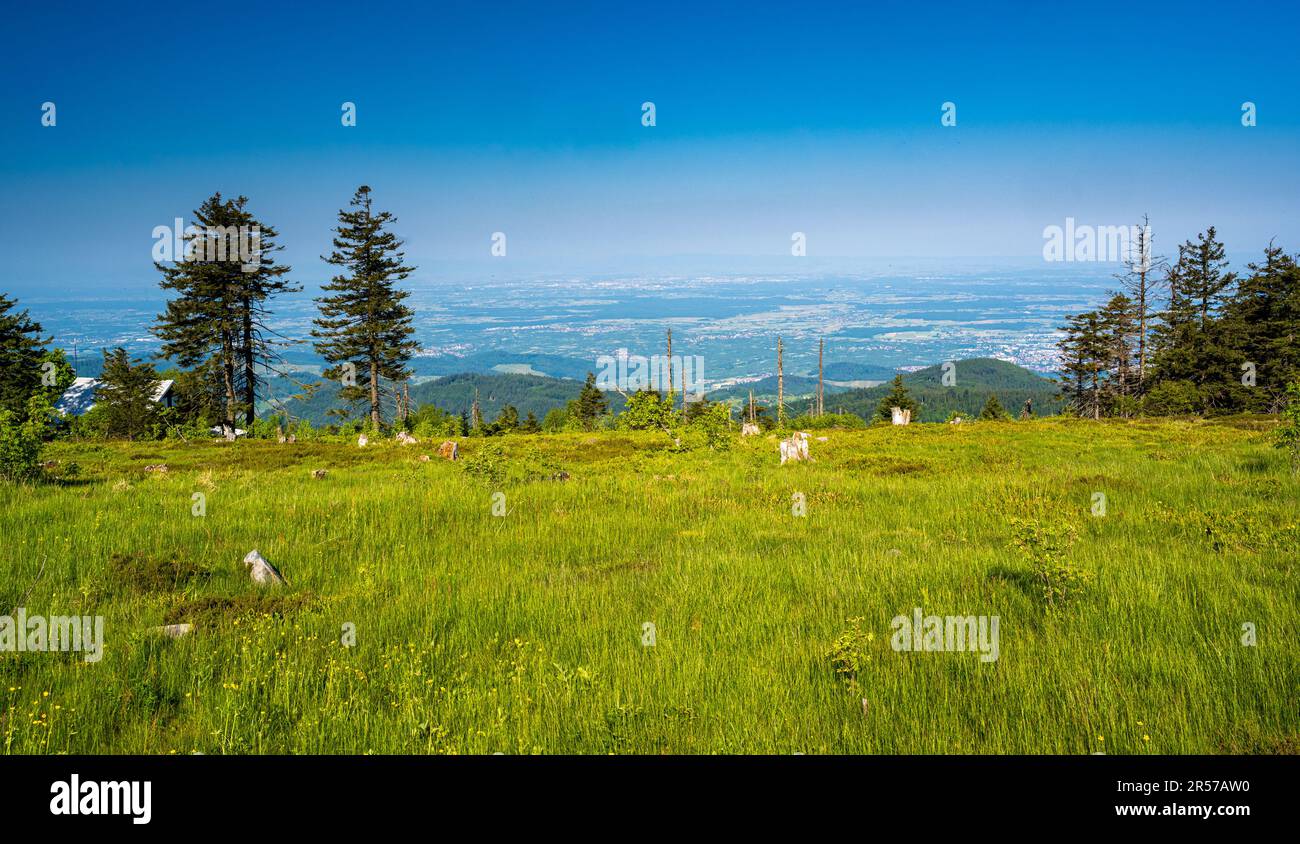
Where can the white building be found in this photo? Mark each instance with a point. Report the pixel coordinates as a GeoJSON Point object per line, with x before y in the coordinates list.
{"type": "Point", "coordinates": [80, 396]}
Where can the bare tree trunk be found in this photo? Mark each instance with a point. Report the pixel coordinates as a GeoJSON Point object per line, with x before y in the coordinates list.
{"type": "Point", "coordinates": [821, 390]}
{"type": "Point", "coordinates": [670, 369]}
{"type": "Point", "coordinates": [228, 379]}
{"type": "Point", "coordinates": [249, 361]}
{"type": "Point", "coordinates": [780, 385]}
{"type": "Point", "coordinates": [374, 394]}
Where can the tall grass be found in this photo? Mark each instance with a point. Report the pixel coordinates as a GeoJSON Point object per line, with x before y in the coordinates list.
{"type": "Point", "coordinates": [523, 633]}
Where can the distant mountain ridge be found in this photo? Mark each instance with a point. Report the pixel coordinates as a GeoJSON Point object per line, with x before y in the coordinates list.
{"type": "Point", "coordinates": [976, 379]}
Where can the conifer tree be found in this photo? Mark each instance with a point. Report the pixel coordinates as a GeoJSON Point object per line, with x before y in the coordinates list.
{"type": "Point", "coordinates": [21, 354]}
{"type": "Point", "coordinates": [993, 410]}
{"type": "Point", "coordinates": [1083, 350]}
{"type": "Point", "coordinates": [898, 397]}
{"type": "Point", "coordinates": [364, 321]}
{"type": "Point", "coordinates": [124, 398]}
{"type": "Point", "coordinates": [218, 317]}
{"type": "Point", "coordinates": [1117, 323]}
{"type": "Point", "coordinates": [1263, 320]}
{"type": "Point", "coordinates": [590, 404]}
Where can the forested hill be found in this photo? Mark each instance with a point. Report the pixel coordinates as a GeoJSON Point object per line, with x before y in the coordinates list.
{"type": "Point", "coordinates": [975, 380]}
{"type": "Point", "coordinates": [455, 393]}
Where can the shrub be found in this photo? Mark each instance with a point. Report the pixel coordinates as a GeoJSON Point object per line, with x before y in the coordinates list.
{"type": "Point", "coordinates": [487, 464]}
{"type": "Point", "coordinates": [21, 439]}
{"type": "Point", "coordinates": [646, 411]}
{"type": "Point", "coordinates": [1172, 398]}
{"type": "Point", "coordinates": [1044, 546]}
{"type": "Point", "coordinates": [849, 653]}
{"type": "Point", "coordinates": [712, 426]}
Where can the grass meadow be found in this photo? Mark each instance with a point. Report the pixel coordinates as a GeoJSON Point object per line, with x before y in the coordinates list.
{"type": "Point", "coordinates": [524, 632]}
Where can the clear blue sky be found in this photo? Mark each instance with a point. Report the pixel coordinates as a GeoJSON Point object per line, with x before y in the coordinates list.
{"type": "Point", "coordinates": [525, 118]}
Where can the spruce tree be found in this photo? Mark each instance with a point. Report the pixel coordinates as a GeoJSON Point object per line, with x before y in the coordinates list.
{"type": "Point", "coordinates": [1263, 322]}
{"type": "Point", "coordinates": [590, 404]}
{"type": "Point", "coordinates": [1117, 323]}
{"type": "Point", "coordinates": [898, 397]}
{"type": "Point", "coordinates": [124, 399]}
{"type": "Point", "coordinates": [1083, 354]}
{"type": "Point", "coordinates": [993, 410]}
{"type": "Point", "coordinates": [218, 316]}
{"type": "Point", "coordinates": [22, 351]}
{"type": "Point", "coordinates": [364, 321]}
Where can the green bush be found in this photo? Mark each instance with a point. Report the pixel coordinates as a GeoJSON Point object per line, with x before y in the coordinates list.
{"type": "Point", "coordinates": [21, 439]}
{"type": "Point", "coordinates": [1044, 546]}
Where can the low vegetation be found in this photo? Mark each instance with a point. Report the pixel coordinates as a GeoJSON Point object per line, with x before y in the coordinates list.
{"type": "Point", "coordinates": [639, 598]}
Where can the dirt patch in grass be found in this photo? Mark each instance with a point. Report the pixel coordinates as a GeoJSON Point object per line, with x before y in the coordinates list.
{"type": "Point", "coordinates": [143, 573]}
{"type": "Point", "coordinates": [207, 613]}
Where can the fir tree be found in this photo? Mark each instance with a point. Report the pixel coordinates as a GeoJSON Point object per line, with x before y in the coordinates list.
{"type": "Point", "coordinates": [993, 410]}
{"type": "Point", "coordinates": [365, 321]}
{"type": "Point", "coordinates": [1117, 323]}
{"type": "Point", "coordinates": [22, 351]}
{"type": "Point", "coordinates": [898, 397]}
{"type": "Point", "coordinates": [1264, 321]}
{"type": "Point", "coordinates": [222, 284]}
{"type": "Point", "coordinates": [124, 399]}
{"type": "Point", "coordinates": [1083, 350]}
{"type": "Point", "coordinates": [590, 404]}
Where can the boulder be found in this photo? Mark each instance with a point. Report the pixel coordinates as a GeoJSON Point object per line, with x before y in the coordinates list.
{"type": "Point", "coordinates": [261, 571]}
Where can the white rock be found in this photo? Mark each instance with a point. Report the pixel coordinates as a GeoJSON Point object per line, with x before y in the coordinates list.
{"type": "Point", "coordinates": [261, 571]}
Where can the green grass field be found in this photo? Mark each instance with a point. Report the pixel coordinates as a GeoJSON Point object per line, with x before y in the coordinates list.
{"type": "Point", "coordinates": [523, 633]}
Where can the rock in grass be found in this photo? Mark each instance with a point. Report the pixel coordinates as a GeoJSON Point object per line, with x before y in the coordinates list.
{"type": "Point", "coordinates": [175, 631]}
{"type": "Point", "coordinates": [362, 441]}
{"type": "Point", "coordinates": [261, 571]}
{"type": "Point", "coordinates": [405, 438]}
{"type": "Point", "coordinates": [318, 474]}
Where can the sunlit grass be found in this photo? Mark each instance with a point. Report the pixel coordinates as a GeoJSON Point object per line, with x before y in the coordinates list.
{"type": "Point", "coordinates": [523, 633]}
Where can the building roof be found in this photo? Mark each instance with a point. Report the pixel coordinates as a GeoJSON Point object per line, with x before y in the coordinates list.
{"type": "Point", "coordinates": [80, 395]}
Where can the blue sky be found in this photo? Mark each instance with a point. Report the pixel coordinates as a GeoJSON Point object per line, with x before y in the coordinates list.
{"type": "Point", "coordinates": [525, 118]}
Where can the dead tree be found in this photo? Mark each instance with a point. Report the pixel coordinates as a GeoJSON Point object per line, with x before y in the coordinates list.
{"type": "Point", "coordinates": [821, 394]}
{"type": "Point", "coordinates": [780, 385]}
{"type": "Point", "coordinates": [670, 369]}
